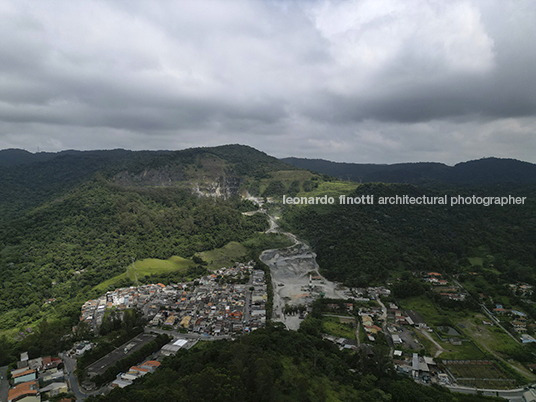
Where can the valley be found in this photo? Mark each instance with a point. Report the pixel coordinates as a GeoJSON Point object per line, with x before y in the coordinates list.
{"type": "Point", "coordinates": [406, 292]}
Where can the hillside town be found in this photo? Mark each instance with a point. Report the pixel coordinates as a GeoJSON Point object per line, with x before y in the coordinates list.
{"type": "Point", "coordinates": [233, 300]}
{"type": "Point", "coordinates": [227, 301]}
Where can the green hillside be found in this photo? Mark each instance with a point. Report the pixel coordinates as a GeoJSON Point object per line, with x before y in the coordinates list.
{"type": "Point", "coordinates": [28, 180]}
{"type": "Point", "coordinates": [147, 267]}
{"type": "Point", "coordinates": [72, 223]}
{"type": "Point", "coordinates": [363, 244]}
{"type": "Point", "coordinates": [277, 365]}
{"type": "Point", "coordinates": [65, 248]}
{"type": "Point", "coordinates": [224, 256]}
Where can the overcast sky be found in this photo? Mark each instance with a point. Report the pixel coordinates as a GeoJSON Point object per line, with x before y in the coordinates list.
{"type": "Point", "coordinates": [357, 81]}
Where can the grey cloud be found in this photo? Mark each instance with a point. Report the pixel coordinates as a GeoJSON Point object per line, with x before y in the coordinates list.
{"type": "Point", "coordinates": [342, 80]}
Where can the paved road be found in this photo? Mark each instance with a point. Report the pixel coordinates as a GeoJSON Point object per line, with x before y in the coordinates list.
{"type": "Point", "coordinates": [513, 395]}
{"type": "Point", "coordinates": [70, 365]}
{"type": "Point", "coordinates": [438, 346]}
{"type": "Point", "coordinates": [4, 384]}
{"type": "Point", "coordinates": [383, 318]}
{"type": "Point", "coordinates": [101, 365]}
{"type": "Point", "coordinates": [176, 334]}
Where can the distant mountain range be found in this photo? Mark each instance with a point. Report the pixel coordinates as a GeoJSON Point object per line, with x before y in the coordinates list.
{"type": "Point", "coordinates": [478, 172]}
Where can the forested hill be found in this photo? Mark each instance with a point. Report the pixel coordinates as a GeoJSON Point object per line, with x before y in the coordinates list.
{"type": "Point", "coordinates": [361, 244]}
{"type": "Point", "coordinates": [27, 180]}
{"type": "Point", "coordinates": [477, 172]}
{"type": "Point", "coordinates": [274, 364]}
{"type": "Point", "coordinates": [74, 221]}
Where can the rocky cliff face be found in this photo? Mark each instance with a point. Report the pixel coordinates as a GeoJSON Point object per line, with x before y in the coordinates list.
{"type": "Point", "coordinates": [223, 186]}
{"type": "Point", "coordinates": [205, 184]}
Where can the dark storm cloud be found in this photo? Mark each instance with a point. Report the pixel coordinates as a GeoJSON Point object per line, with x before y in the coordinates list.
{"type": "Point", "coordinates": [363, 80]}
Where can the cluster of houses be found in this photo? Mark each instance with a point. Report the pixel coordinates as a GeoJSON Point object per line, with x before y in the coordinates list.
{"type": "Point", "coordinates": [121, 299]}
{"type": "Point", "coordinates": [449, 291]}
{"type": "Point", "coordinates": [522, 289]}
{"type": "Point", "coordinates": [35, 379]}
{"type": "Point", "coordinates": [369, 316]}
{"type": "Point", "coordinates": [517, 319]}
{"type": "Point", "coordinates": [435, 278]}
{"type": "Point", "coordinates": [367, 294]}
{"type": "Point", "coordinates": [343, 343]}
{"type": "Point", "coordinates": [217, 309]}
{"type": "Point", "coordinates": [125, 379]}
{"type": "Point", "coordinates": [210, 305]}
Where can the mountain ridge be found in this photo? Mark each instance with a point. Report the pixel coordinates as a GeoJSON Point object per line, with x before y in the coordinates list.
{"type": "Point", "coordinates": [474, 172]}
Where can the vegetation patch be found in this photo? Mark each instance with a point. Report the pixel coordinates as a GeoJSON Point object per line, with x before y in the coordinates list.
{"type": "Point", "coordinates": [490, 337]}
{"type": "Point", "coordinates": [224, 256]}
{"type": "Point", "coordinates": [333, 326]}
{"type": "Point", "coordinates": [476, 260]}
{"type": "Point", "coordinates": [147, 267]}
{"type": "Point", "coordinates": [331, 189]}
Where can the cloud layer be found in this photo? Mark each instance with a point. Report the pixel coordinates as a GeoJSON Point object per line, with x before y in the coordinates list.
{"type": "Point", "coordinates": [358, 81]}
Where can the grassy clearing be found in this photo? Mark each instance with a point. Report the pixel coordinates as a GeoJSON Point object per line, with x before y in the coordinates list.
{"type": "Point", "coordinates": [333, 326]}
{"type": "Point", "coordinates": [476, 260]}
{"type": "Point", "coordinates": [429, 311]}
{"type": "Point", "coordinates": [427, 343]}
{"type": "Point", "coordinates": [467, 350]}
{"type": "Point", "coordinates": [224, 256]}
{"type": "Point", "coordinates": [331, 189]}
{"type": "Point", "coordinates": [435, 317]}
{"type": "Point", "coordinates": [491, 338]}
{"type": "Point", "coordinates": [155, 266]}
{"type": "Point", "coordinates": [148, 266]}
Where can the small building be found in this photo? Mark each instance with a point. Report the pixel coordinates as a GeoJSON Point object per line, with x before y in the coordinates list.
{"type": "Point", "coordinates": [23, 375]}
{"type": "Point", "coordinates": [373, 329]}
{"type": "Point", "coordinates": [525, 338]}
{"type": "Point", "coordinates": [396, 339]}
{"type": "Point", "coordinates": [27, 390]}
{"type": "Point", "coordinates": [416, 318]}
{"type": "Point", "coordinates": [455, 341]}
{"type": "Point", "coordinates": [185, 322]}
{"type": "Point", "coordinates": [170, 320]}
{"type": "Point", "coordinates": [173, 347]}
{"type": "Point", "coordinates": [54, 389]}
{"type": "Point", "coordinates": [529, 396]}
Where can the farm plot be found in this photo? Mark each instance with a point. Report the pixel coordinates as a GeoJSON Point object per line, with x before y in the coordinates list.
{"type": "Point", "coordinates": [478, 373]}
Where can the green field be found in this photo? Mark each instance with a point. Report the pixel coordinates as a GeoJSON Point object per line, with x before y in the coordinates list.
{"type": "Point", "coordinates": [224, 256]}
{"type": "Point", "coordinates": [491, 338]}
{"type": "Point", "coordinates": [333, 326]}
{"type": "Point", "coordinates": [476, 260]}
{"type": "Point", "coordinates": [467, 350]}
{"type": "Point", "coordinates": [148, 266]}
{"type": "Point", "coordinates": [429, 311]}
{"type": "Point", "coordinates": [331, 189]}
{"type": "Point", "coordinates": [435, 317]}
